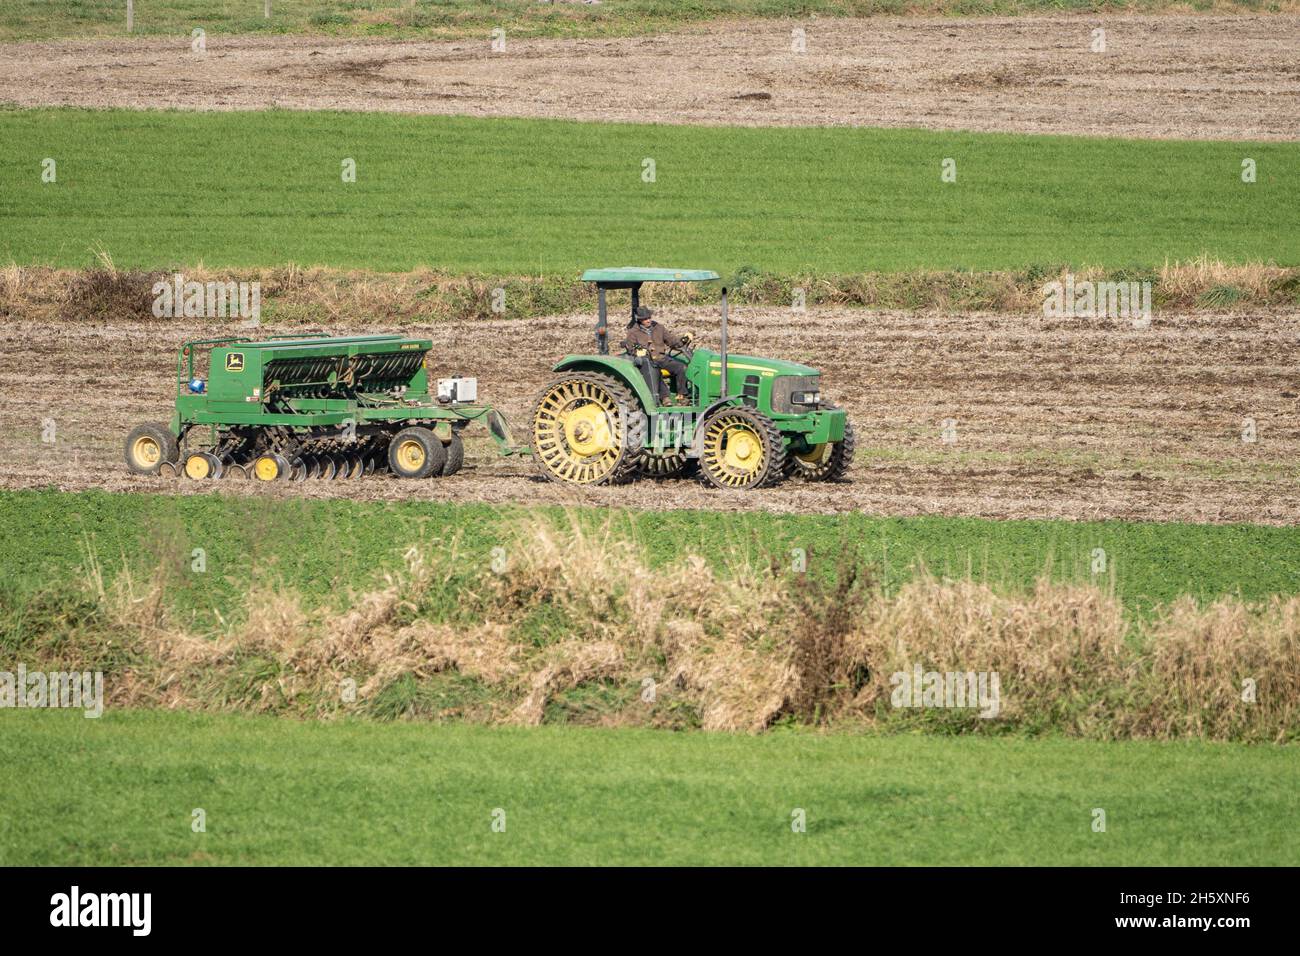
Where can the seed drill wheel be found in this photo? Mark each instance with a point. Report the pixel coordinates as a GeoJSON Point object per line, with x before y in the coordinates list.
{"type": "Point", "coordinates": [742, 449]}
{"type": "Point", "coordinates": [455, 456]}
{"type": "Point", "coordinates": [272, 468]}
{"type": "Point", "coordinates": [416, 452]}
{"type": "Point", "coordinates": [588, 429]}
{"type": "Point", "coordinates": [825, 462]}
{"type": "Point", "coordinates": [201, 464]}
{"type": "Point", "coordinates": [150, 446]}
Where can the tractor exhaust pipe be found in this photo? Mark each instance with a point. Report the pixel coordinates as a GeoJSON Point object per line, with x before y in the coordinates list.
{"type": "Point", "coordinates": [722, 386]}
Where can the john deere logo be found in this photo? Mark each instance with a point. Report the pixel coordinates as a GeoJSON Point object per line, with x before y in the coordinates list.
{"type": "Point", "coordinates": [234, 361]}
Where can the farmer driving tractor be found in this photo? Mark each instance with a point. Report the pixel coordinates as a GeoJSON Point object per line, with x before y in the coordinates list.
{"type": "Point", "coordinates": [649, 343]}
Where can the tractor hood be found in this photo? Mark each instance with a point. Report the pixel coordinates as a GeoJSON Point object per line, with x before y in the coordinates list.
{"type": "Point", "coordinates": [765, 367]}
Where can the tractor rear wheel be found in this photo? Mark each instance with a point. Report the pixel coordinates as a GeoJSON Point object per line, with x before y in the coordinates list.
{"type": "Point", "coordinates": [742, 449]}
{"type": "Point", "coordinates": [588, 429]}
{"type": "Point", "coordinates": [416, 452]}
{"type": "Point", "coordinates": [828, 461]}
{"type": "Point", "coordinates": [455, 456]}
{"type": "Point", "coordinates": [668, 465]}
{"type": "Point", "coordinates": [148, 447]}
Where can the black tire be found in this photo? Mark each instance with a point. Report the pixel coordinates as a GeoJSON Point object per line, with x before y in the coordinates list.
{"type": "Point", "coordinates": [405, 462]}
{"type": "Point", "coordinates": [833, 466]}
{"type": "Point", "coordinates": [769, 469]}
{"type": "Point", "coordinates": [674, 465]}
{"type": "Point", "coordinates": [561, 462]}
{"type": "Point", "coordinates": [146, 441]}
{"type": "Point", "coordinates": [455, 456]}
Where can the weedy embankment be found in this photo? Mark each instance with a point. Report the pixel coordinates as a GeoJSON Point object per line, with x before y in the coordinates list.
{"type": "Point", "coordinates": [574, 625]}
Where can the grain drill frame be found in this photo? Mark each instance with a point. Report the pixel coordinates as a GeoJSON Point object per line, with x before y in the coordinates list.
{"type": "Point", "coordinates": [312, 406]}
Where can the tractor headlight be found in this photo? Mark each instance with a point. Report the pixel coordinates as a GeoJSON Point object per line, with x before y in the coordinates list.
{"type": "Point", "coordinates": [795, 394]}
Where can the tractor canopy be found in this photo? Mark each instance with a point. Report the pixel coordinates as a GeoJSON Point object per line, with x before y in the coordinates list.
{"type": "Point", "coordinates": [631, 277]}
{"type": "Point", "coordinates": [625, 277]}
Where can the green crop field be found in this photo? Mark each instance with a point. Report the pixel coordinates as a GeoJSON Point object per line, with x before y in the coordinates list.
{"type": "Point", "coordinates": [40, 19]}
{"type": "Point", "coordinates": [122, 790]}
{"type": "Point", "coordinates": [311, 545]}
{"type": "Point", "coordinates": [152, 189]}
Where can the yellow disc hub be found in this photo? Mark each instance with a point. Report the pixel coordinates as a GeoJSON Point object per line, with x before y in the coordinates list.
{"type": "Point", "coordinates": [146, 451]}
{"type": "Point", "coordinates": [587, 430]}
{"type": "Point", "coordinates": [266, 468]}
{"type": "Point", "coordinates": [742, 450]}
{"type": "Point", "coordinates": [410, 454]}
{"type": "Point", "coordinates": [197, 467]}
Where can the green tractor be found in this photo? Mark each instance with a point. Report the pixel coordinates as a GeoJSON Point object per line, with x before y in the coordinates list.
{"type": "Point", "coordinates": [746, 423]}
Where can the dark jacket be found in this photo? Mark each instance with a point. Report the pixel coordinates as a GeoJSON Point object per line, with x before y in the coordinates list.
{"type": "Point", "coordinates": [657, 341]}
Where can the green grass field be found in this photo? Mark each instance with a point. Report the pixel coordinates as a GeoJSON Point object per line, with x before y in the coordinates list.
{"type": "Point", "coordinates": [122, 789]}
{"type": "Point", "coordinates": [153, 189]}
{"type": "Point", "coordinates": [41, 19]}
{"type": "Point", "coordinates": [311, 545]}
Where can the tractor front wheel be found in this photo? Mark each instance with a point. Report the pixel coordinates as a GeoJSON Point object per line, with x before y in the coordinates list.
{"type": "Point", "coordinates": [828, 461]}
{"type": "Point", "coordinates": [588, 429]}
{"type": "Point", "coordinates": [742, 449]}
{"type": "Point", "coordinates": [148, 447]}
{"type": "Point", "coordinates": [416, 452]}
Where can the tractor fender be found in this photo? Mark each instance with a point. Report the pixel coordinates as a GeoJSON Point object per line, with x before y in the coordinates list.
{"type": "Point", "coordinates": [623, 369]}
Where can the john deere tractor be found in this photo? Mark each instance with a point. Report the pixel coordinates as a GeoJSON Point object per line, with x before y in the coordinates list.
{"type": "Point", "coordinates": [746, 423]}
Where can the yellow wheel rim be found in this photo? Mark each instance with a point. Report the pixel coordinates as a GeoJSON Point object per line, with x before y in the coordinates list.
{"type": "Point", "coordinates": [587, 430]}
{"type": "Point", "coordinates": [197, 467]}
{"type": "Point", "coordinates": [146, 451]}
{"type": "Point", "coordinates": [734, 451]}
{"type": "Point", "coordinates": [266, 468]}
{"type": "Point", "coordinates": [577, 431]}
{"type": "Point", "coordinates": [815, 455]}
{"type": "Point", "coordinates": [410, 455]}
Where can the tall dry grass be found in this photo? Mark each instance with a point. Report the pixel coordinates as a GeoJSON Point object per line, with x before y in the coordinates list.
{"type": "Point", "coordinates": [684, 644]}
{"type": "Point", "coordinates": [332, 296]}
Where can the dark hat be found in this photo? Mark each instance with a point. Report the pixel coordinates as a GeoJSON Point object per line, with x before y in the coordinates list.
{"type": "Point", "coordinates": [643, 312]}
